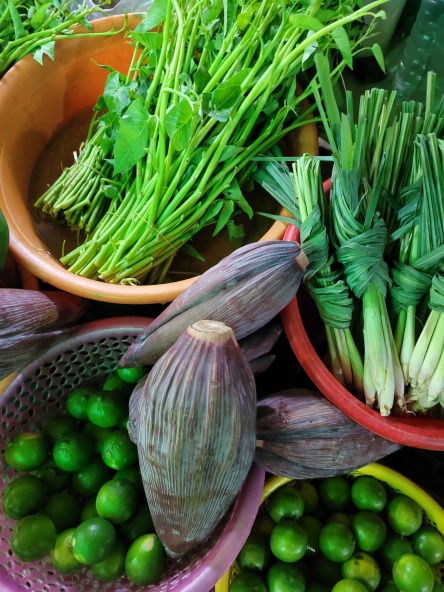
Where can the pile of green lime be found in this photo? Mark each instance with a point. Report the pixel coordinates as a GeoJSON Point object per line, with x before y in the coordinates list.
{"type": "Point", "coordinates": [80, 497]}
{"type": "Point", "coordinates": [340, 535]}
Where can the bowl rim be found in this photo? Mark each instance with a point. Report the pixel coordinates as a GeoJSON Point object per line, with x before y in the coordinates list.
{"type": "Point", "coordinates": [417, 432]}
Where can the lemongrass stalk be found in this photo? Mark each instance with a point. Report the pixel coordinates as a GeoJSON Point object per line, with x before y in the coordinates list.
{"type": "Point", "coordinates": [436, 384]}
{"type": "Point", "coordinates": [434, 350]}
{"type": "Point", "coordinates": [336, 366]}
{"type": "Point", "coordinates": [421, 347]}
{"type": "Point", "coordinates": [420, 401]}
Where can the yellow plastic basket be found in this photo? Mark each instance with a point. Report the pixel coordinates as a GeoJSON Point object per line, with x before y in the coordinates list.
{"type": "Point", "coordinates": [433, 512]}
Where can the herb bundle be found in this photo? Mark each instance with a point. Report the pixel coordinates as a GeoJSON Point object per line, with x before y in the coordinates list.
{"type": "Point", "coordinates": [212, 84]}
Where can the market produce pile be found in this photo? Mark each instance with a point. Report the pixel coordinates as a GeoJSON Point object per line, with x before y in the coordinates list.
{"type": "Point", "coordinates": [341, 534]}
{"type": "Point", "coordinates": [376, 248]}
{"type": "Point", "coordinates": [211, 85]}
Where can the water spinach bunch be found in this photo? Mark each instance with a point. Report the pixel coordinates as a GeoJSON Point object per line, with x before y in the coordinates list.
{"type": "Point", "coordinates": [211, 85]}
{"type": "Point", "coordinates": [376, 252]}
{"type": "Point", "coordinates": [33, 27]}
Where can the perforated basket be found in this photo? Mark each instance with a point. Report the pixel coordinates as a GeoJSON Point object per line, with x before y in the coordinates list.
{"type": "Point", "coordinates": [433, 513]}
{"type": "Point", "coordinates": [37, 394]}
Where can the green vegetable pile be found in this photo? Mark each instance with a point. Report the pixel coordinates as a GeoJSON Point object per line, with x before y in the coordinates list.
{"type": "Point", "coordinates": [376, 255]}
{"type": "Point", "coordinates": [33, 27]}
{"type": "Point", "coordinates": [211, 85]}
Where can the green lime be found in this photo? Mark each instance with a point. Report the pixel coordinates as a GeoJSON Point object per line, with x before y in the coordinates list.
{"type": "Point", "coordinates": [116, 500]}
{"type": "Point", "coordinates": [118, 452]}
{"type": "Point", "coordinates": [336, 542]}
{"type": "Point", "coordinates": [247, 581]}
{"type": "Point", "coordinates": [106, 409]}
{"type": "Point", "coordinates": [428, 543]}
{"type": "Point", "coordinates": [369, 530]}
{"type": "Point", "coordinates": [97, 435]}
{"type": "Point", "coordinates": [349, 585]}
{"type": "Point", "coordinates": [285, 502]}
{"type": "Point", "coordinates": [93, 540]}
{"type": "Point", "coordinates": [285, 577]}
{"type": "Point", "coordinates": [54, 479]}
{"type": "Point", "coordinates": [132, 375]}
{"type": "Point", "coordinates": [89, 510]}
{"type": "Point", "coordinates": [255, 554]}
{"type": "Point", "coordinates": [288, 541]}
{"type": "Point", "coordinates": [77, 402]}
{"type": "Point", "coordinates": [394, 546]}
{"type": "Point", "coordinates": [59, 426]}
{"type": "Point", "coordinates": [23, 496]}
{"type": "Point", "coordinates": [73, 451]}
{"type": "Point", "coordinates": [87, 481]}
{"type": "Point", "coordinates": [146, 560]}
{"type": "Point", "coordinates": [63, 509]}
{"type": "Point", "coordinates": [364, 568]}
{"type": "Point", "coordinates": [412, 574]}
{"type": "Point", "coordinates": [263, 524]}
{"type": "Point", "coordinates": [335, 492]}
{"type": "Point", "coordinates": [404, 515]}
{"type": "Point", "coordinates": [368, 493]}
{"type": "Point", "coordinates": [33, 537]}
{"type": "Point", "coordinates": [61, 555]}
{"type": "Point", "coordinates": [115, 383]}
{"type": "Point", "coordinates": [132, 474]}
{"type": "Point", "coordinates": [140, 523]}
{"type": "Point", "coordinates": [341, 517]}
{"type": "Point", "coordinates": [27, 451]}
{"type": "Point", "coordinates": [312, 527]}
{"type": "Point", "coordinates": [113, 566]}
{"type": "Point", "coordinates": [310, 496]}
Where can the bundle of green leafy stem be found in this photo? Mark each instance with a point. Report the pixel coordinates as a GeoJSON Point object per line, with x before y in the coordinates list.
{"type": "Point", "coordinates": [33, 27]}
{"type": "Point", "coordinates": [212, 84]}
{"type": "Point", "coordinates": [376, 250]}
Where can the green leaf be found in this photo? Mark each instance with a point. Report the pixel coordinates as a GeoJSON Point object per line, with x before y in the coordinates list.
{"type": "Point", "coordinates": [235, 194]}
{"type": "Point", "coordinates": [179, 124]}
{"type": "Point", "coordinates": [19, 29]}
{"type": "Point", "coordinates": [155, 14]}
{"type": "Point", "coordinates": [224, 216]}
{"type": "Point", "coordinates": [342, 41]}
{"type": "Point", "coordinates": [132, 137]}
{"type": "Point", "coordinates": [39, 15]}
{"type": "Point", "coordinates": [229, 151]}
{"type": "Point", "coordinates": [45, 49]}
{"type": "Point", "coordinates": [379, 56]}
{"type": "Point", "coordinates": [201, 78]}
{"type": "Point", "coordinates": [4, 239]}
{"type": "Point", "coordinates": [189, 250]}
{"type": "Point", "coordinates": [223, 99]}
{"type": "Point", "coordinates": [306, 22]}
{"type": "Point", "coordinates": [150, 40]}
{"type": "Point", "coordinates": [235, 231]}
{"type": "Point", "coordinates": [116, 94]}
{"type": "Point", "coordinates": [229, 10]}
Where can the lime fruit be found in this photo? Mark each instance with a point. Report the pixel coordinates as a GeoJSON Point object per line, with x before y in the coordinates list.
{"type": "Point", "coordinates": [77, 402]}
{"type": "Point", "coordinates": [285, 502]}
{"type": "Point", "coordinates": [285, 577]}
{"type": "Point", "coordinates": [255, 554]}
{"type": "Point", "coordinates": [263, 525]}
{"type": "Point", "coordinates": [54, 479]}
{"type": "Point", "coordinates": [412, 574]}
{"type": "Point", "coordinates": [118, 452]}
{"type": "Point", "coordinates": [364, 568]}
{"type": "Point", "coordinates": [132, 375]}
{"type": "Point", "coordinates": [87, 481]}
{"type": "Point", "coordinates": [59, 426]}
{"type": "Point", "coordinates": [23, 496]}
{"type": "Point", "coordinates": [27, 451]}
{"type": "Point", "coordinates": [115, 383]}
{"type": "Point", "coordinates": [341, 517]}
{"type": "Point", "coordinates": [288, 541]}
{"type": "Point", "coordinates": [93, 540]}
{"type": "Point", "coordinates": [428, 543]}
{"type": "Point", "coordinates": [394, 546]}
{"type": "Point", "coordinates": [132, 474]}
{"type": "Point", "coordinates": [349, 585]}
{"type": "Point", "coordinates": [334, 492]}
{"type": "Point", "coordinates": [247, 581]}
{"type": "Point", "coordinates": [369, 530]}
{"type": "Point", "coordinates": [312, 527]}
{"type": "Point", "coordinates": [63, 509]}
{"type": "Point", "coordinates": [73, 451]}
{"type": "Point", "coordinates": [33, 537]}
{"type": "Point", "coordinates": [310, 496]}
{"type": "Point", "coordinates": [404, 515]}
{"type": "Point", "coordinates": [97, 435]}
{"type": "Point", "coordinates": [336, 542]}
{"type": "Point", "coordinates": [106, 408]}
{"type": "Point", "coordinates": [113, 566]}
{"type": "Point", "coordinates": [140, 523]}
{"type": "Point", "coordinates": [88, 510]}
{"type": "Point", "coordinates": [367, 493]}
{"type": "Point", "coordinates": [61, 555]}
{"type": "Point", "coordinates": [146, 560]}
{"type": "Point", "coordinates": [116, 500]}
